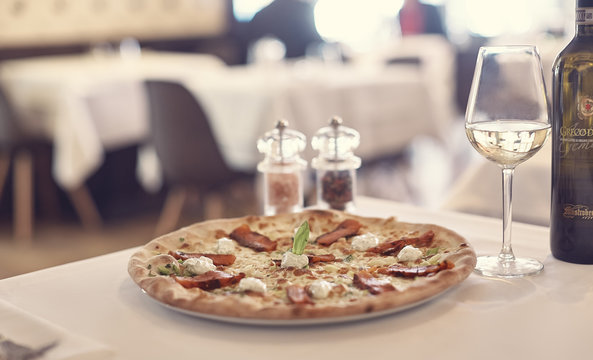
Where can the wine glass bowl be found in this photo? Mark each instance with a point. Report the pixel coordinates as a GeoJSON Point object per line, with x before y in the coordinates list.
{"type": "Point", "coordinates": [507, 122]}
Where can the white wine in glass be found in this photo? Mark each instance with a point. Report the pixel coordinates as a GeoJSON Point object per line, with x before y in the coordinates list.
{"type": "Point", "coordinates": [507, 122]}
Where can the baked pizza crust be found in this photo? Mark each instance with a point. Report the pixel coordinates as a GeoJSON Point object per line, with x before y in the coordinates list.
{"type": "Point", "coordinates": [227, 302]}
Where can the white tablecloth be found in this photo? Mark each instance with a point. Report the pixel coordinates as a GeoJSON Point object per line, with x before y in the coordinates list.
{"type": "Point", "coordinates": [548, 316]}
{"type": "Point", "coordinates": [386, 105]}
{"type": "Point", "coordinates": [87, 104]}
{"type": "Point", "coordinates": [21, 329]}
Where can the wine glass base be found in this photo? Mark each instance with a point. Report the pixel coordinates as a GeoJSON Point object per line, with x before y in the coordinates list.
{"type": "Point", "coordinates": [492, 266]}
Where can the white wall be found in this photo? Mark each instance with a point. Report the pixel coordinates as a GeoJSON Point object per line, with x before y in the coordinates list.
{"type": "Point", "coordinates": [59, 22]}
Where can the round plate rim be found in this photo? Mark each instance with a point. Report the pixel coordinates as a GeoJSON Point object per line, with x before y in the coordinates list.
{"type": "Point", "coordinates": [303, 321]}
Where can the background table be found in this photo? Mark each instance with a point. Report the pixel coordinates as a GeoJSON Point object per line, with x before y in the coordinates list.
{"type": "Point", "coordinates": [91, 103]}
{"type": "Point", "coordinates": [88, 104]}
{"type": "Point", "coordinates": [385, 104]}
{"type": "Point", "coordinates": [543, 317]}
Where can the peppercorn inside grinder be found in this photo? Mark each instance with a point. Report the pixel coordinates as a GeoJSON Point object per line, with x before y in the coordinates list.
{"type": "Point", "coordinates": [336, 165]}
{"type": "Point", "coordinates": [282, 169]}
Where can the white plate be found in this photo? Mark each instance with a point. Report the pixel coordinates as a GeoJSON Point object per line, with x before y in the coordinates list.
{"type": "Point", "coordinates": [298, 322]}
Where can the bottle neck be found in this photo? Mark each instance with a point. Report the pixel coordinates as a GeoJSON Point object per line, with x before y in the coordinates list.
{"type": "Point", "coordinates": [584, 30]}
{"type": "Point", "coordinates": [584, 18]}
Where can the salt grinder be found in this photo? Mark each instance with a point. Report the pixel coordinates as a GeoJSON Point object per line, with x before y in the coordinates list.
{"type": "Point", "coordinates": [336, 165]}
{"type": "Point", "coordinates": [282, 169]}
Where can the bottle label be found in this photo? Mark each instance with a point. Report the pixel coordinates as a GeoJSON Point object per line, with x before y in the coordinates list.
{"type": "Point", "coordinates": [584, 107]}
{"type": "Point", "coordinates": [578, 136]}
{"type": "Point", "coordinates": [577, 211]}
{"type": "Point", "coordinates": [575, 140]}
{"type": "Point", "coordinates": [584, 16]}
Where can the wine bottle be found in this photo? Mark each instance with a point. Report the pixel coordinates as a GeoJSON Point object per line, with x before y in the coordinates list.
{"type": "Point", "coordinates": [571, 217]}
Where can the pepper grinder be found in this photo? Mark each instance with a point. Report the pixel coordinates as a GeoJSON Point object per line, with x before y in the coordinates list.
{"type": "Point", "coordinates": [336, 165]}
{"type": "Point", "coordinates": [282, 169]}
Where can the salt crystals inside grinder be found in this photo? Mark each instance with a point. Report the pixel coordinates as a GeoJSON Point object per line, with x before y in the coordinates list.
{"type": "Point", "coordinates": [282, 169]}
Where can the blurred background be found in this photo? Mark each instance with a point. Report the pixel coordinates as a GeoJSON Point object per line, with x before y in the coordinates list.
{"type": "Point", "coordinates": [89, 159]}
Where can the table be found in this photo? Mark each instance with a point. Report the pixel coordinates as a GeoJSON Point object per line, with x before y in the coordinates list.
{"type": "Point", "coordinates": [86, 105]}
{"type": "Point", "coordinates": [90, 103]}
{"type": "Point", "coordinates": [386, 105]}
{"type": "Point", "coordinates": [542, 317]}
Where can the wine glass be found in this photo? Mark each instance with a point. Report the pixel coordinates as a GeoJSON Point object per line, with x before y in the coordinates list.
{"type": "Point", "coordinates": [507, 122]}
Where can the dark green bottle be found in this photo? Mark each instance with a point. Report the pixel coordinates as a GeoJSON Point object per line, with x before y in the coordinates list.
{"type": "Point", "coordinates": [571, 218]}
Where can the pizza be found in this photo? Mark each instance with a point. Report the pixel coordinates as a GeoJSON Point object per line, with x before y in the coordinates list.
{"type": "Point", "coordinates": [315, 264]}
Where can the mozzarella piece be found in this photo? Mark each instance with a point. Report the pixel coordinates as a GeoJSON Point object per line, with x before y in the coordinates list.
{"type": "Point", "coordinates": [409, 253]}
{"type": "Point", "coordinates": [364, 241]}
{"type": "Point", "coordinates": [199, 265]}
{"type": "Point", "coordinates": [320, 289]}
{"type": "Point", "coordinates": [225, 246]}
{"type": "Point", "coordinates": [298, 261]}
{"type": "Point", "coordinates": [252, 284]}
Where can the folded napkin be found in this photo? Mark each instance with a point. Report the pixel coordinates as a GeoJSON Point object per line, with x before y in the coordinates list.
{"type": "Point", "coordinates": [25, 336]}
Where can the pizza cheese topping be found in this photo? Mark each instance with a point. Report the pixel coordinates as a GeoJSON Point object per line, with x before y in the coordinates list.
{"type": "Point", "coordinates": [261, 263]}
{"type": "Point", "coordinates": [319, 289]}
{"type": "Point", "coordinates": [409, 253]}
{"type": "Point", "coordinates": [217, 259]}
{"type": "Point", "coordinates": [354, 270]}
{"type": "Point", "coordinates": [252, 284]}
{"type": "Point", "coordinates": [225, 246]}
{"type": "Point", "coordinates": [364, 241]}
{"type": "Point", "coordinates": [199, 265]}
{"type": "Point", "coordinates": [290, 259]}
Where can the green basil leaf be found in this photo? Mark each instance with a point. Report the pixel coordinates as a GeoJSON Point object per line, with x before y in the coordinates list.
{"type": "Point", "coordinates": [431, 252]}
{"type": "Point", "coordinates": [300, 239]}
{"type": "Point", "coordinates": [176, 269]}
{"type": "Point", "coordinates": [164, 270]}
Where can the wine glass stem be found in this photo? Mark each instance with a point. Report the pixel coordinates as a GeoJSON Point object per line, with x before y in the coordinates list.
{"type": "Point", "coordinates": [506, 253]}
